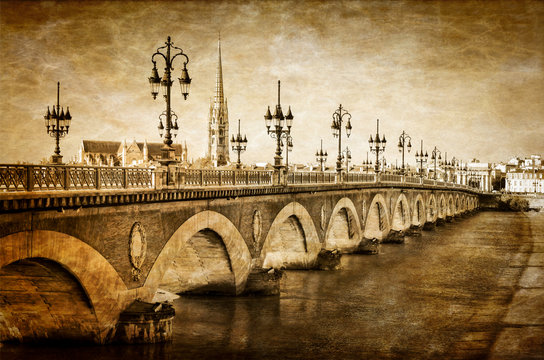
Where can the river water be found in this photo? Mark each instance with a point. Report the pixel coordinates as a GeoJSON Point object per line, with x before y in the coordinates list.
{"type": "Point", "coordinates": [422, 300]}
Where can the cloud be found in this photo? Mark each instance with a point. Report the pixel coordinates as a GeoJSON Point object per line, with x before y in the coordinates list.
{"type": "Point", "coordinates": [464, 76]}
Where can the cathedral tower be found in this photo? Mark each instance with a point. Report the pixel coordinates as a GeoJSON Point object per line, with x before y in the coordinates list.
{"type": "Point", "coordinates": [218, 122]}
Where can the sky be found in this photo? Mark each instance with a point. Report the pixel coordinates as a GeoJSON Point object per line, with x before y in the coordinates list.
{"type": "Point", "coordinates": [464, 76]}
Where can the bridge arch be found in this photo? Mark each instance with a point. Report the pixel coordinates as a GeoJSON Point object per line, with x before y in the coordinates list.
{"type": "Point", "coordinates": [458, 209]}
{"type": "Point", "coordinates": [212, 231]}
{"type": "Point", "coordinates": [401, 214]}
{"type": "Point", "coordinates": [105, 290]}
{"type": "Point", "coordinates": [418, 213]}
{"type": "Point", "coordinates": [377, 220]}
{"type": "Point", "coordinates": [344, 228]}
{"type": "Point", "coordinates": [450, 207]}
{"type": "Point", "coordinates": [292, 240]}
{"type": "Point", "coordinates": [442, 207]}
{"type": "Point", "coordinates": [432, 209]}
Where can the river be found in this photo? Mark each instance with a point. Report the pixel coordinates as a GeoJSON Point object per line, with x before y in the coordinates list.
{"type": "Point", "coordinates": [442, 295]}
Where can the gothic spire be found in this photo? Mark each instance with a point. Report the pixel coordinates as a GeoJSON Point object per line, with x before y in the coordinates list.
{"type": "Point", "coordinates": [219, 96]}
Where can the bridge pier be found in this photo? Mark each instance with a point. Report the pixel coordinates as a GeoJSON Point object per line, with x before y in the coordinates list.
{"type": "Point", "coordinates": [328, 260]}
{"type": "Point", "coordinates": [263, 282]}
{"type": "Point", "coordinates": [368, 246]}
{"type": "Point", "coordinates": [429, 225]}
{"type": "Point", "coordinates": [394, 237]}
{"type": "Point", "coordinates": [145, 323]}
{"type": "Point", "coordinates": [414, 230]}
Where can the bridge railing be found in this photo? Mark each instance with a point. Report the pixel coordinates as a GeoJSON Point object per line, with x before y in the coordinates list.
{"type": "Point", "coordinates": [360, 177]}
{"type": "Point", "coordinates": [311, 177]}
{"type": "Point", "coordinates": [59, 177]}
{"type": "Point", "coordinates": [391, 178]}
{"type": "Point", "coordinates": [213, 177]}
{"type": "Point", "coordinates": [15, 178]}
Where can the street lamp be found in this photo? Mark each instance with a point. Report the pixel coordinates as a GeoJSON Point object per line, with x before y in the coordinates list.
{"type": "Point", "coordinates": [57, 124]}
{"type": "Point", "coordinates": [402, 144]}
{"type": "Point", "coordinates": [336, 126]}
{"type": "Point", "coordinates": [239, 145]}
{"type": "Point", "coordinates": [282, 129]}
{"type": "Point", "coordinates": [171, 127]}
{"type": "Point", "coordinates": [289, 142]}
{"type": "Point", "coordinates": [321, 157]}
{"type": "Point", "coordinates": [420, 158]}
{"type": "Point", "coordinates": [346, 154]}
{"type": "Point", "coordinates": [446, 166]}
{"type": "Point", "coordinates": [453, 168]}
{"type": "Point", "coordinates": [377, 146]}
{"type": "Point", "coordinates": [367, 163]}
{"type": "Point", "coordinates": [435, 156]}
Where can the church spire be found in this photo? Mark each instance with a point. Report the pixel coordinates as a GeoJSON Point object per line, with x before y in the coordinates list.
{"type": "Point", "coordinates": [218, 123]}
{"type": "Point", "coordinates": [219, 95]}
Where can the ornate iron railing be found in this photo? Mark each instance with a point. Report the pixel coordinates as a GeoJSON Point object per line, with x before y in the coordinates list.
{"type": "Point", "coordinates": [14, 178]}
{"type": "Point", "coordinates": [59, 177]}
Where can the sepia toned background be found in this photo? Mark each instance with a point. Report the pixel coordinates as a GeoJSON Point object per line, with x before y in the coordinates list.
{"type": "Point", "coordinates": [466, 76]}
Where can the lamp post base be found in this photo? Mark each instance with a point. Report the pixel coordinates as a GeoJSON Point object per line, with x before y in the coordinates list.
{"type": "Point", "coordinates": [56, 159]}
{"type": "Point", "coordinates": [168, 155]}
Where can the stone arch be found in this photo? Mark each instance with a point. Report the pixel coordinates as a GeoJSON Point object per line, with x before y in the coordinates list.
{"type": "Point", "coordinates": [450, 206]}
{"type": "Point", "coordinates": [418, 213]}
{"type": "Point", "coordinates": [236, 248]}
{"type": "Point", "coordinates": [458, 209]}
{"type": "Point", "coordinates": [377, 219]}
{"type": "Point", "coordinates": [432, 209]}
{"type": "Point", "coordinates": [344, 229]}
{"type": "Point", "coordinates": [292, 240]}
{"type": "Point", "coordinates": [401, 214]}
{"type": "Point", "coordinates": [104, 288]}
{"type": "Point", "coordinates": [442, 207]}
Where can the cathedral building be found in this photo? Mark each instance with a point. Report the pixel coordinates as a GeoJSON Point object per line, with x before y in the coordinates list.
{"type": "Point", "coordinates": [117, 153]}
{"type": "Point", "coordinates": [218, 121]}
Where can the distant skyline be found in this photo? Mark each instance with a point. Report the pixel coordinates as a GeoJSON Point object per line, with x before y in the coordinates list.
{"type": "Point", "coordinates": [465, 76]}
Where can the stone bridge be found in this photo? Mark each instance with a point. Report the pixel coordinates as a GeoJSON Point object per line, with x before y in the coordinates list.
{"type": "Point", "coordinates": [72, 261]}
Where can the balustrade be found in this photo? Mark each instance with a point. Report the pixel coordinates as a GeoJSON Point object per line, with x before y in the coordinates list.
{"type": "Point", "coordinates": [16, 178]}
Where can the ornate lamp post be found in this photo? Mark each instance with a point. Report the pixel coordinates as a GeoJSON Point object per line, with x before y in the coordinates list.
{"type": "Point", "coordinates": [289, 142]}
{"type": "Point", "coordinates": [446, 166]}
{"type": "Point", "coordinates": [57, 124]}
{"type": "Point", "coordinates": [336, 126]}
{"type": "Point", "coordinates": [171, 127]}
{"type": "Point", "coordinates": [402, 145]}
{"type": "Point", "coordinates": [436, 156]}
{"type": "Point", "coordinates": [377, 146]}
{"type": "Point", "coordinates": [321, 157]}
{"type": "Point", "coordinates": [453, 168]}
{"type": "Point", "coordinates": [367, 163]}
{"type": "Point", "coordinates": [239, 145]}
{"type": "Point", "coordinates": [420, 158]}
{"type": "Point", "coordinates": [346, 154]}
{"type": "Point", "coordinates": [282, 129]}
